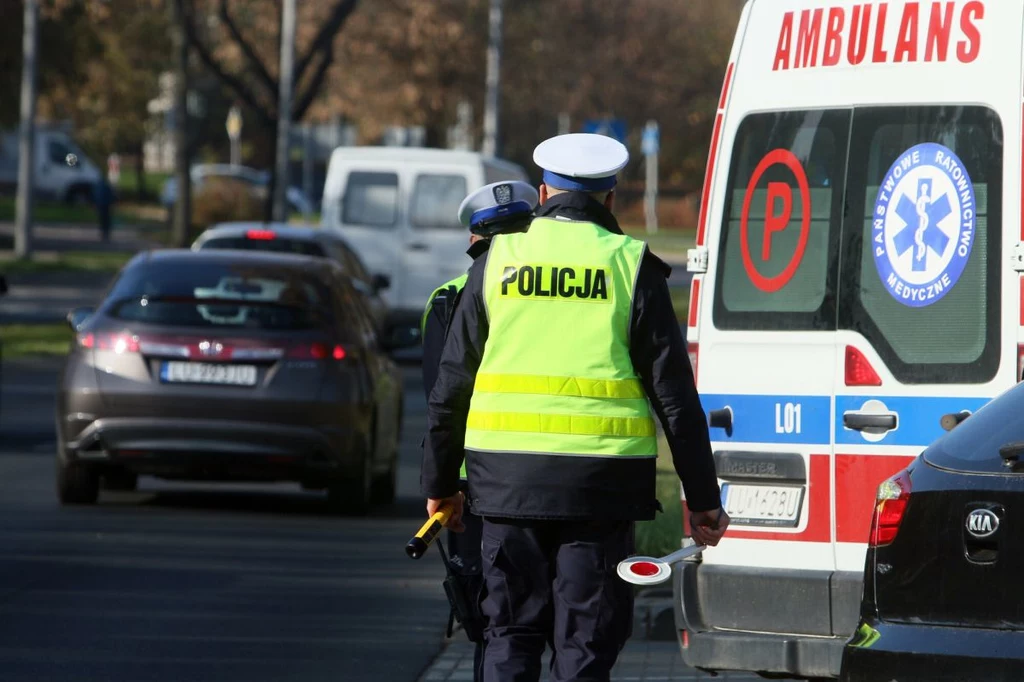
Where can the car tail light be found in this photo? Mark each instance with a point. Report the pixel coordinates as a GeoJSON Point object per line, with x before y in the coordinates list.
{"type": "Point", "coordinates": [260, 234]}
{"type": "Point", "coordinates": [692, 351]}
{"type": "Point", "coordinates": [116, 342]}
{"type": "Point", "coordinates": [317, 351]}
{"type": "Point", "coordinates": [890, 505]}
{"type": "Point", "coordinates": [1020, 363]}
{"type": "Point", "coordinates": [859, 371]}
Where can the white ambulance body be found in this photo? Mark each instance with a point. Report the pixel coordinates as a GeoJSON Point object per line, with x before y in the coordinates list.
{"type": "Point", "coordinates": [857, 277]}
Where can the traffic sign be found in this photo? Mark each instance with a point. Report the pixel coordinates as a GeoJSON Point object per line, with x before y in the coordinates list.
{"type": "Point", "coordinates": [651, 139]}
{"type": "Point", "coordinates": [776, 219]}
{"type": "Point", "coordinates": [614, 128]}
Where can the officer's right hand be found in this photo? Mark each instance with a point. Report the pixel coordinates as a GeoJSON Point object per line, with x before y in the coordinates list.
{"type": "Point", "coordinates": [708, 527]}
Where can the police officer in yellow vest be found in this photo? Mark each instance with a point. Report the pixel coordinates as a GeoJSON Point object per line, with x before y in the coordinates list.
{"type": "Point", "coordinates": [564, 340]}
{"type": "Point", "coordinates": [497, 208]}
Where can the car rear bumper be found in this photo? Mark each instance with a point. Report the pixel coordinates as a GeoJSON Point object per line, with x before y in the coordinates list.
{"type": "Point", "coordinates": [217, 449]}
{"type": "Point", "coordinates": [764, 620]}
{"type": "Point", "coordinates": [887, 652]}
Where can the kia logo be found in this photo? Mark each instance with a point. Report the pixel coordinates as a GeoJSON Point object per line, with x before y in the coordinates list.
{"type": "Point", "coordinates": [207, 348]}
{"type": "Point", "coordinates": [981, 523]}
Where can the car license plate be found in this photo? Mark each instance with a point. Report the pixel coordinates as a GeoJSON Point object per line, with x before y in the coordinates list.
{"type": "Point", "coordinates": [208, 373]}
{"type": "Point", "coordinates": [763, 505]}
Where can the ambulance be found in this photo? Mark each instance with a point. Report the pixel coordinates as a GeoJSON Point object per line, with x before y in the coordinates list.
{"type": "Point", "coordinates": [857, 284]}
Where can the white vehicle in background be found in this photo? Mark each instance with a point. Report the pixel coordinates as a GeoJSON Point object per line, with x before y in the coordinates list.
{"type": "Point", "coordinates": [54, 178]}
{"type": "Point", "coordinates": [398, 207]}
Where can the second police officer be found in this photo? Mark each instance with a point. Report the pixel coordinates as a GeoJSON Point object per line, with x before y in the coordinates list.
{"type": "Point", "coordinates": [497, 208]}
{"type": "Point", "coordinates": [564, 340]}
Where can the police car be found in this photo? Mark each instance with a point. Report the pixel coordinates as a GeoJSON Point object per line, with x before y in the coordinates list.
{"type": "Point", "coordinates": [857, 277]}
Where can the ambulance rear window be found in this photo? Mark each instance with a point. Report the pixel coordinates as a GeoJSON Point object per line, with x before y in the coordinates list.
{"type": "Point", "coordinates": [781, 223]}
{"type": "Point", "coordinates": [921, 243]}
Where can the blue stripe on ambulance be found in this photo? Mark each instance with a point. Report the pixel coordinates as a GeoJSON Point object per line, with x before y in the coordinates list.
{"type": "Point", "coordinates": [917, 423]}
{"type": "Point", "coordinates": [796, 419]}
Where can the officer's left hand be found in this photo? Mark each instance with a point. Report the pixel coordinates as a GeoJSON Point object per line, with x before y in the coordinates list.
{"type": "Point", "coordinates": [455, 520]}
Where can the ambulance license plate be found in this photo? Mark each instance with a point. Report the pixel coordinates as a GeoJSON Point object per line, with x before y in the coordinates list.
{"type": "Point", "coordinates": [763, 505]}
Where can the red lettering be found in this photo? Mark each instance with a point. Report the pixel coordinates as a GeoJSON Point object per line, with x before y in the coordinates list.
{"type": "Point", "coordinates": [879, 55]}
{"type": "Point", "coordinates": [858, 47]}
{"type": "Point", "coordinates": [833, 37]}
{"type": "Point", "coordinates": [967, 50]}
{"type": "Point", "coordinates": [807, 39]}
{"type": "Point", "coordinates": [776, 223]}
{"type": "Point", "coordinates": [906, 41]}
{"type": "Point", "coordinates": [785, 37]}
{"type": "Point", "coordinates": [937, 40]}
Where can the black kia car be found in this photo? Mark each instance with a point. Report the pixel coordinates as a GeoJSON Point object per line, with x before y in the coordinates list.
{"type": "Point", "coordinates": [229, 366]}
{"type": "Point", "coordinates": [944, 575]}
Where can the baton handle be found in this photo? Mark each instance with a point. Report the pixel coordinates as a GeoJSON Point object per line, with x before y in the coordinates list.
{"type": "Point", "coordinates": [428, 533]}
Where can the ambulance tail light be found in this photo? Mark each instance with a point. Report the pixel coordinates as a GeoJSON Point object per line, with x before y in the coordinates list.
{"type": "Point", "coordinates": [890, 505]}
{"type": "Point", "coordinates": [859, 371]}
{"type": "Point", "coordinates": [692, 352]}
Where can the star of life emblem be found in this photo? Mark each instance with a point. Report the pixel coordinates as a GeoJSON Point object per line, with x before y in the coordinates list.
{"type": "Point", "coordinates": [503, 194]}
{"type": "Point", "coordinates": [923, 224]}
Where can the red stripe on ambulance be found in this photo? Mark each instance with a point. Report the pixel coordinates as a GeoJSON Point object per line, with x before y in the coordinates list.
{"type": "Point", "coordinates": [709, 171]}
{"type": "Point", "coordinates": [851, 36]}
{"type": "Point", "coordinates": [855, 498]}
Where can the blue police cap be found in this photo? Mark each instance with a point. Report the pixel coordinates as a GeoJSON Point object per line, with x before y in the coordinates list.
{"type": "Point", "coordinates": [497, 201]}
{"type": "Point", "coordinates": [581, 161]}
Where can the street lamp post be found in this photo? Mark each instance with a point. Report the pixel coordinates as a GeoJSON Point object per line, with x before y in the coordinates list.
{"type": "Point", "coordinates": [26, 140]}
{"type": "Point", "coordinates": [284, 109]}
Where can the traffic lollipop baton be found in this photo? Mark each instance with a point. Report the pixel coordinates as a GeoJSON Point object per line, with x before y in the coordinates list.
{"type": "Point", "coordinates": [645, 570]}
{"type": "Point", "coordinates": [417, 547]}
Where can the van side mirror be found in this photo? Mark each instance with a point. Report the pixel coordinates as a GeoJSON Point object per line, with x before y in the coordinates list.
{"type": "Point", "coordinates": [77, 316]}
{"type": "Point", "coordinates": [381, 281]}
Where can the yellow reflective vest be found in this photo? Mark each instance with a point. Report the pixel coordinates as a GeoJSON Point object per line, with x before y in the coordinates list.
{"type": "Point", "coordinates": [556, 376]}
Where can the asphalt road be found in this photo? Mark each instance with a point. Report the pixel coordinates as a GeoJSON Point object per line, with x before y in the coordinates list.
{"type": "Point", "coordinates": [195, 583]}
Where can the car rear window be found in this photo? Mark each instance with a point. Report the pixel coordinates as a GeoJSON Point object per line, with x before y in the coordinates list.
{"type": "Point", "coordinates": [238, 296]}
{"type": "Point", "coordinates": [371, 198]}
{"type": "Point", "coordinates": [305, 247]}
{"type": "Point", "coordinates": [435, 201]}
{"type": "Point", "coordinates": [974, 444]}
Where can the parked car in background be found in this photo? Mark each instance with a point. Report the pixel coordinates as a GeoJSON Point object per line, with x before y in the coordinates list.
{"type": "Point", "coordinates": [309, 241]}
{"type": "Point", "coordinates": [398, 208]}
{"type": "Point", "coordinates": [258, 180]}
{"type": "Point", "coordinates": [229, 366]}
{"type": "Point", "coordinates": [54, 177]}
{"type": "Point", "coordinates": [942, 580]}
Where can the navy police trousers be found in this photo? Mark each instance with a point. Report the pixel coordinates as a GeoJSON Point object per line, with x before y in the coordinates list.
{"type": "Point", "coordinates": [554, 583]}
{"type": "Point", "coordinates": [464, 551]}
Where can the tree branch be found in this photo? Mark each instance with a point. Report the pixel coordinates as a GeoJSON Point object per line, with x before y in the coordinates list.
{"type": "Point", "coordinates": [185, 10]}
{"type": "Point", "coordinates": [263, 76]}
{"type": "Point", "coordinates": [324, 40]}
{"type": "Point", "coordinates": [303, 102]}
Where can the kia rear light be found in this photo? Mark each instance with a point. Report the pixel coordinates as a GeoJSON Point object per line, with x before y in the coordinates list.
{"type": "Point", "coordinates": [316, 351]}
{"type": "Point", "coordinates": [890, 506]}
{"type": "Point", "coordinates": [859, 371]}
{"type": "Point", "coordinates": [263, 235]}
{"type": "Point", "coordinates": [118, 342]}
{"type": "Point", "coordinates": [692, 352]}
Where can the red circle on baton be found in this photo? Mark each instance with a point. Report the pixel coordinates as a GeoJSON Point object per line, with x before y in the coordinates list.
{"type": "Point", "coordinates": [786, 158]}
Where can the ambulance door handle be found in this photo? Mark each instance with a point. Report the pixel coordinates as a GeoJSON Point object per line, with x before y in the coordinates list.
{"type": "Point", "coordinates": [721, 419]}
{"type": "Point", "coordinates": [863, 421]}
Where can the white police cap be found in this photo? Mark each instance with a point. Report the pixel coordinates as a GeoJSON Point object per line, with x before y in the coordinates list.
{"type": "Point", "coordinates": [497, 201]}
{"type": "Point", "coordinates": [581, 161]}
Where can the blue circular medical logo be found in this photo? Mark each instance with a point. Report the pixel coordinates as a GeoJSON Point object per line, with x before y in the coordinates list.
{"type": "Point", "coordinates": [923, 224]}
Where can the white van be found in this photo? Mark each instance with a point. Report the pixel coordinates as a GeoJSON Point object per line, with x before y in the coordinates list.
{"type": "Point", "coordinates": [857, 276]}
{"type": "Point", "coordinates": [398, 207]}
{"type": "Point", "coordinates": [54, 179]}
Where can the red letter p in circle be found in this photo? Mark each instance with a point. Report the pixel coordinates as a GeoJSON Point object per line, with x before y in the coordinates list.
{"type": "Point", "coordinates": [775, 223]}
